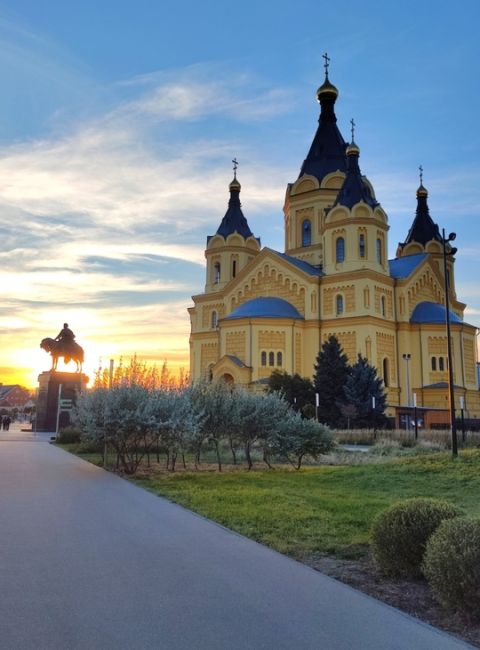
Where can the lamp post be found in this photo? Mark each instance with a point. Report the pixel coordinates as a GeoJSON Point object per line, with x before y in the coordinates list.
{"type": "Point", "coordinates": [407, 358]}
{"type": "Point", "coordinates": [451, 393]}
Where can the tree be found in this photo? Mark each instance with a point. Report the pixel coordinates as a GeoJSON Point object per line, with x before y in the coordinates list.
{"type": "Point", "coordinates": [331, 372]}
{"type": "Point", "coordinates": [297, 391]}
{"type": "Point", "coordinates": [361, 386]}
{"type": "Point", "coordinates": [297, 437]}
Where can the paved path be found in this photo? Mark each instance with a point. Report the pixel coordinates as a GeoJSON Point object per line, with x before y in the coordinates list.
{"type": "Point", "coordinates": [89, 561]}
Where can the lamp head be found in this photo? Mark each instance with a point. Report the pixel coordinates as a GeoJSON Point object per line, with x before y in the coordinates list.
{"type": "Point", "coordinates": [453, 250]}
{"type": "Point", "coordinates": [452, 236]}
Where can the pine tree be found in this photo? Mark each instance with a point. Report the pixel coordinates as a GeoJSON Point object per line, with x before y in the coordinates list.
{"type": "Point", "coordinates": [331, 371]}
{"type": "Point", "coordinates": [361, 386]}
{"type": "Point", "coordinates": [298, 391]}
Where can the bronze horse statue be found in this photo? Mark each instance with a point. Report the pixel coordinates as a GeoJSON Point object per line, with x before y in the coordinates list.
{"type": "Point", "coordinates": [56, 348]}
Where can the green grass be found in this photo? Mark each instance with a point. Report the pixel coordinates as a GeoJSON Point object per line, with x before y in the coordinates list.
{"type": "Point", "coordinates": [326, 509]}
{"type": "Point", "coordinates": [321, 509]}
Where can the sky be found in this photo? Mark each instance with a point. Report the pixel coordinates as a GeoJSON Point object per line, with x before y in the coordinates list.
{"type": "Point", "coordinates": [119, 121]}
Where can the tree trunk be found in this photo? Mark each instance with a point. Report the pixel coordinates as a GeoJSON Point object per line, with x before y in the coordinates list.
{"type": "Point", "coordinates": [266, 461]}
{"type": "Point", "coordinates": [174, 459]}
{"type": "Point", "coordinates": [217, 449]}
{"type": "Point", "coordinates": [183, 459]}
{"type": "Point", "coordinates": [247, 456]}
{"type": "Point", "coordinates": [234, 453]}
{"type": "Point", "coordinates": [299, 461]}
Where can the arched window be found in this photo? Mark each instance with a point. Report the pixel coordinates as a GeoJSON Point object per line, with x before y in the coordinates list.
{"type": "Point", "coordinates": [214, 320]}
{"type": "Point", "coordinates": [279, 359]}
{"type": "Point", "coordinates": [385, 372]}
{"type": "Point", "coordinates": [340, 250]}
{"type": "Point", "coordinates": [379, 251]}
{"type": "Point", "coordinates": [441, 364]}
{"type": "Point", "coordinates": [271, 358]}
{"type": "Point", "coordinates": [361, 245]}
{"type": "Point", "coordinates": [210, 373]}
{"type": "Point", "coordinates": [234, 268]}
{"type": "Point", "coordinates": [264, 358]}
{"type": "Point", "coordinates": [216, 273]}
{"type": "Point", "coordinates": [339, 304]}
{"type": "Point", "coordinates": [434, 363]}
{"type": "Point", "coordinates": [382, 304]}
{"type": "Point", "coordinates": [306, 233]}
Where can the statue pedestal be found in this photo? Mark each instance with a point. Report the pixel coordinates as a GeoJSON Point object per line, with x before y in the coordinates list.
{"type": "Point", "coordinates": [52, 387]}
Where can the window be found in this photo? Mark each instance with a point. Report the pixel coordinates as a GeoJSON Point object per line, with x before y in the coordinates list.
{"type": "Point", "coordinates": [379, 251]}
{"type": "Point", "coordinates": [279, 359]}
{"type": "Point", "coordinates": [361, 245]}
{"type": "Point", "coordinates": [339, 304]}
{"type": "Point", "coordinates": [340, 250]}
{"type": "Point", "coordinates": [234, 268]}
{"type": "Point", "coordinates": [271, 358]}
{"type": "Point", "coordinates": [264, 358]}
{"type": "Point", "coordinates": [441, 364]}
{"type": "Point", "coordinates": [214, 320]}
{"type": "Point", "coordinates": [306, 233]}
{"type": "Point", "coordinates": [382, 305]}
{"type": "Point", "coordinates": [434, 363]}
{"type": "Point", "coordinates": [216, 273]}
{"type": "Point", "coordinates": [385, 372]}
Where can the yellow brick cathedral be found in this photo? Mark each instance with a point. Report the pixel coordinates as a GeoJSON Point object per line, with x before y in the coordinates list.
{"type": "Point", "coordinates": [264, 310]}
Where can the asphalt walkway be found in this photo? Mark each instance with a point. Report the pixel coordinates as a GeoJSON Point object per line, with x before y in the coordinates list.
{"type": "Point", "coordinates": [89, 561]}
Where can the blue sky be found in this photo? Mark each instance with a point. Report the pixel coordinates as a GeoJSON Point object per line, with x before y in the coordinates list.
{"type": "Point", "coordinates": [118, 122]}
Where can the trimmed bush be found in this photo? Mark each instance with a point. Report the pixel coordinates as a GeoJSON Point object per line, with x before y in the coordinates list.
{"type": "Point", "coordinates": [452, 565]}
{"type": "Point", "coordinates": [400, 534]}
{"type": "Point", "coordinates": [69, 435]}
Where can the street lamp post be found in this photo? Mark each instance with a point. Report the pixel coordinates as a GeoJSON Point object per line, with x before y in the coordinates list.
{"type": "Point", "coordinates": [407, 358]}
{"type": "Point", "coordinates": [451, 392]}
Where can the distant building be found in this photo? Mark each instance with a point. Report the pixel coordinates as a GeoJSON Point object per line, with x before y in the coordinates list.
{"type": "Point", "coordinates": [265, 310]}
{"type": "Point", "coordinates": [14, 396]}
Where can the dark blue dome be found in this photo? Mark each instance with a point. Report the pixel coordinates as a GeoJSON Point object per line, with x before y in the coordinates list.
{"type": "Point", "coordinates": [432, 312]}
{"type": "Point", "coordinates": [265, 307]}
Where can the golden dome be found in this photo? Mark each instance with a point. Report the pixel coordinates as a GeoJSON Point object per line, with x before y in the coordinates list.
{"type": "Point", "coordinates": [235, 185]}
{"type": "Point", "coordinates": [353, 149]}
{"type": "Point", "coordinates": [422, 191]}
{"type": "Point", "coordinates": [326, 89]}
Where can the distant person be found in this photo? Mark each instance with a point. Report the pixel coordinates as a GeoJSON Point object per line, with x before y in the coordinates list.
{"type": "Point", "coordinates": [65, 337]}
{"type": "Point", "coordinates": [7, 421]}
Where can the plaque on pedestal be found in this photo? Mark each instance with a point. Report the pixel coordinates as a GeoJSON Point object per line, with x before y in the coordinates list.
{"type": "Point", "coordinates": [57, 393]}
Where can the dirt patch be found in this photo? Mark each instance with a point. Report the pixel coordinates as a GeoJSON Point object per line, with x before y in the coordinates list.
{"type": "Point", "coordinates": [411, 596]}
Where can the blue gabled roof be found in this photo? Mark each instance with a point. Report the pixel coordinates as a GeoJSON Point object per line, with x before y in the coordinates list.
{"type": "Point", "coordinates": [300, 264]}
{"type": "Point", "coordinates": [236, 360]}
{"type": "Point", "coordinates": [265, 307]}
{"type": "Point", "coordinates": [432, 312]}
{"type": "Point", "coordinates": [402, 267]}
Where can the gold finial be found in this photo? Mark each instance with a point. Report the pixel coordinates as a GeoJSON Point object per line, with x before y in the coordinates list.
{"type": "Point", "coordinates": [352, 122]}
{"type": "Point", "coordinates": [326, 64]}
{"type": "Point", "coordinates": [420, 169]}
{"type": "Point", "coordinates": [235, 166]}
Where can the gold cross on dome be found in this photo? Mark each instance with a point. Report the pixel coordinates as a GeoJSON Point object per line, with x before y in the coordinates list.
{"type": "Point", "coordinates": [235, 166]}
{"type": "Point", "coordinates": [420, 168]}
{"type": "Point", "coordinates": [352, 122]}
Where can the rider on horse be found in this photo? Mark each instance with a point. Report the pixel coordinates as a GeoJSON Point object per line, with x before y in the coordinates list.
{"type": "Point", "coordinates": [66, 338]}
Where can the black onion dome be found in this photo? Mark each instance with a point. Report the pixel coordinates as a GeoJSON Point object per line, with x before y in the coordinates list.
{"type": "Point", "coordinates": [423, 228]}
{"type": "Point", "coordinates": [327, 153]}
{"type": "Point", "coordinates": [354, 188]}
{"type": "Point", "coordinates": [234, 220]}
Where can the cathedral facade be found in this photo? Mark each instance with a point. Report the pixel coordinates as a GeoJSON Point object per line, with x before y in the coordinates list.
{"type": "Point", "coordinates": [264, 310]}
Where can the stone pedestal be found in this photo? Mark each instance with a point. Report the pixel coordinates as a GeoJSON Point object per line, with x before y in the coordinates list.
{"type": "Point", "coordinates": [52, 386]}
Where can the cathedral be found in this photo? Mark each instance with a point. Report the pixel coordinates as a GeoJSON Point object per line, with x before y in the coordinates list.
{"type": "Point", "coordinates": [264, 310]}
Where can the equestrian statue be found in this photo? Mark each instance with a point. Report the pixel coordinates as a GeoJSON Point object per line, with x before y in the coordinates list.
{"type": "Point", "coordinates": [64, 345]}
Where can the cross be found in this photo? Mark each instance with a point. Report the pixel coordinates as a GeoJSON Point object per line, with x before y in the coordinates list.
{"type": "Point", "coordinates": [352, 122]}
{"type": "Point", "coordinates": [235, 165]}
{"type": "Point", "coordinates": [326, 64]}
{"type": "Point", "coordinates": [421, 174]}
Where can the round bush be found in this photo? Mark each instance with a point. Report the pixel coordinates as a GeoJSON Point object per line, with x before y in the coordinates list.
{"type": "Point", "coordinates": [69, 435]}
{"type": "Point", "coordinates": [400, 534]}
{"type": "Point", "coordinates": [452, 565]}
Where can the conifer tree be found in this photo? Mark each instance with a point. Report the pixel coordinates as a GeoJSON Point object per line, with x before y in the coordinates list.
{"type": "Point", "coordinates": [331, 371]}
{"type": "Point", "coordinates": [361, 386]}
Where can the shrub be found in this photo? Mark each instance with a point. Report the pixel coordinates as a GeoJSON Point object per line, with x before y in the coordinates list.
{"type": "Point", "coordinates": [452, 565]}
{"type": "Point", "coordinates": [69, 435]}
{"type": "Point", "coordinates": [400, 534]}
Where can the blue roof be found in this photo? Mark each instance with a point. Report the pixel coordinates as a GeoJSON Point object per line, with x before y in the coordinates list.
{"type": "Point", "coordinates": [265, 307]}
{"type": "Point", "coordinates": [402, 267]}
{"type": "Point", "coordinates": [300, 264]}
{"type": "Point", "coordinates": [432, 312]}
{"type": "Point", "coordinates": [236, 360]}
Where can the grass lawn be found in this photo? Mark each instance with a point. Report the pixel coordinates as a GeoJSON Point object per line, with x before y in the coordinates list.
{"type": "Point", "coordinates": [320, 509]}
{"type": "Point", "coordinates": [325, 509]}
